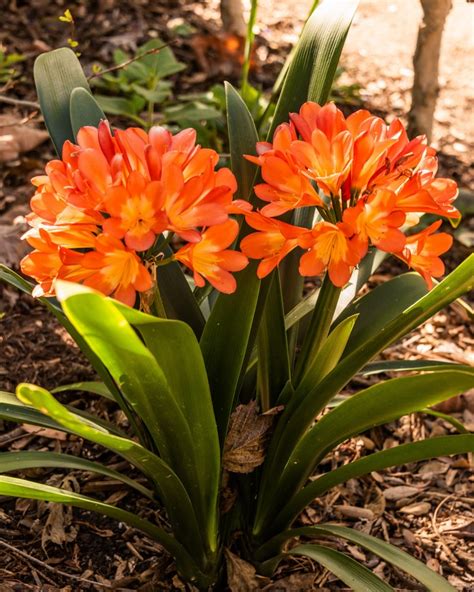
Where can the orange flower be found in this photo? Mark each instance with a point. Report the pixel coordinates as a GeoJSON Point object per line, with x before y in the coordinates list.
{"type": "Point", "coordinates": [422, 251]}
{"type": "Point", "coordinates": [326, 149]}
{"type": "Point", "coordinates": [372, 139]}
{"type": "Point", "coordinates": [197, 195]}
{"type": "Point", "coordinates": [333, 247]}
{"type": "Point", "coordinates": [328, 119]}
{"type": "Point", "coordinates": [47, 263]}
{"type": "Point", "coordinates": [423, 193]}
{"type": "Point", "coordinates": [272, 243]}
{"type": "Point", "coordinates": [377, 218]}
{"type": "Point", "coordinates": [286, 186]}
{"type": "Point", "coordinates": [42, 264]}
{"type": "Point", "coordinates": [210, 259]}
{"type": "Point", "coordinates": [135, 212]}
{"type": "Point", "coordinates": [114, 270]}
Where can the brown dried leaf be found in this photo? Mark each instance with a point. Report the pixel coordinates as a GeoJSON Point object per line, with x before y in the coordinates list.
{"type": "Point", "coordinates": [399, 492]}
{"type": "Point", "coordinates": [15, 139]}
{"type": "Point", "coordinates": [417, 509]}
{"type": "Point", "coordinates": [12, 248]}
{"type": "Point", "coordinates": [44, 432]}
{"type": "Point", "coordinates": [58, 528]}
{"type": "Point", "coordinates": [247, 438]}
{"type": "Point", "coordinates": [241, 576]}
{"type": "Point", "coordinates": [353, 512]}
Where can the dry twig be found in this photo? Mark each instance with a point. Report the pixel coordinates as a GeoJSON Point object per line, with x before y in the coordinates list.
{"type": "Point", "coordinates": [128, 62]}
{"type": "Point", "coordinates": [50, 568]}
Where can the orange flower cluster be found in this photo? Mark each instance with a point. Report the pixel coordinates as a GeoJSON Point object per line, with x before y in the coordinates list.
{"type": "Point", "coordinates": [97, 212]}
{"type": "Point", "coordinates": [369, 184]}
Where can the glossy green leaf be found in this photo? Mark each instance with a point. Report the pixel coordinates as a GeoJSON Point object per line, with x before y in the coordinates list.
{"type": "Point", "coordinates": [178, 298]}
{"type": "Point", "coordinates": [405, 366]}
{"type": "Point", "coordinates": [273, 371]}
{"type": "Point", "coordinates": [392, 457]}
{"type": "Point", "coordinates": [460, 427]}
{"type": "Point", "coordinates": [374, 406]}
{"type": "Point", "coordinates": [226, 340]}
{"type": "Point", "coordinates": [243, 139]}
{"type": "Point", "coordinates": [57, 73]}
{"type": "Point", "coordinates": [327, 357]}
{"type": "Point", "coordinates": [348, 570]}
{"type": "Point", "coordinates": [186, 376]}
{"type": "Point", "coordinates": [389, 553]}
{"type": "Point", "coordinates": [84, 110]}
{"type": "Point", "coordinates": [381, 305]}
{"type": "Point", "coordinates": [145, 384]}
{"type": "Point", "coordinates": [170, 488]}
{"type": "Point", "coordinates": [97, 388]}
{"type": "Point", "coordinates": [315, 59]}
{"type": "Point", "coordinates": [11, 409]}
{"type": "Point", "coordinates": [11, 486]}
{"type": "Point", "coordinates": [318, 329]}
{"type": "Point", "coordinates": [18, 461]}
{"type": "Point", "coordinates": [297, 418]}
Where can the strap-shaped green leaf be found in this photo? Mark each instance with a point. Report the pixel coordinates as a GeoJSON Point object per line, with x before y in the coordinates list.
{"type": "Point", "coordinates": [327, 357]}
{"type": "Point", "coordinates": [381, 305]}
{"type": "Point", "coordinates": [400, 455]}
{"type": "Point", "coordinates": [374, 406]}
{"type": "Point", "coordinates": [404, 366]}
{"type": "Point", "coordinates": [84, 110]}
{"type": "Point", "coordinates": [388, 552]}
{"type": "Point", "coordinates": [297, 418]}
{"type": "Point", "coordinates": [97, 388]}
{"type": "Point", "coordinates": [10, 486]}
{"type": "Point", "coordinates": [17, 461]}
{"type": "Point", "coordinates": [227, 338]}
{"type": "Point", "coordinates": [57, 73]}
{"type": "Point", "coordinates": [11, 409]}
{"type": "Point", "coordinates": [176, 350]}
{"type": "Point", "coordinates": [141, 378]}
{"type": "Point", "coordinates": [273, 371]}
{"type": "Point", "coordinates": [169, 486]}
{"type": "Point", "coordinates": [178, 298]}
{"type": "Point", "coordinates": [243, 138]}
{"type": "Point", "coordinates": [315, 59]}
{"type": "Point", "coordinates": [348, 570]}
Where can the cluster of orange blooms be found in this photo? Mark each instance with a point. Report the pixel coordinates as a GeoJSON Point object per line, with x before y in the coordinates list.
{"type": "Point", "coordinates": [368, 183]}
{"type": "Point", "coordinates": [99, 214]}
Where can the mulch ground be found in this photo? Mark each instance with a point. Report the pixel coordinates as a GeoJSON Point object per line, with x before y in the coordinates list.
{"type": "Point", "coordinates": [425, 508]}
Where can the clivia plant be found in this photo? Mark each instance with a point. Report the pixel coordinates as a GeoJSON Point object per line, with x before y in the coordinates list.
{"type": "Point", "coordinates": [233, 379]}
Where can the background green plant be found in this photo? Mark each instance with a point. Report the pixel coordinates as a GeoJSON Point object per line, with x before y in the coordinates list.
{"type": "Point", "coordinates": [9, 62]}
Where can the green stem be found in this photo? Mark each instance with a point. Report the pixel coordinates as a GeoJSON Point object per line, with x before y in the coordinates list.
{"type": "Point", "coordinates": [158, 306]}
{"type": "Point", "coordinates": [318, 329]}
{"type": "Point", "coordinates": [248, 49]}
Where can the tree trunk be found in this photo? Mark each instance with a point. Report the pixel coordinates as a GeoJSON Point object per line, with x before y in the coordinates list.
{"type": "Point", "coordinates": [426, 64]}
{"type": "Point", "coordinates": [232, 15]}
